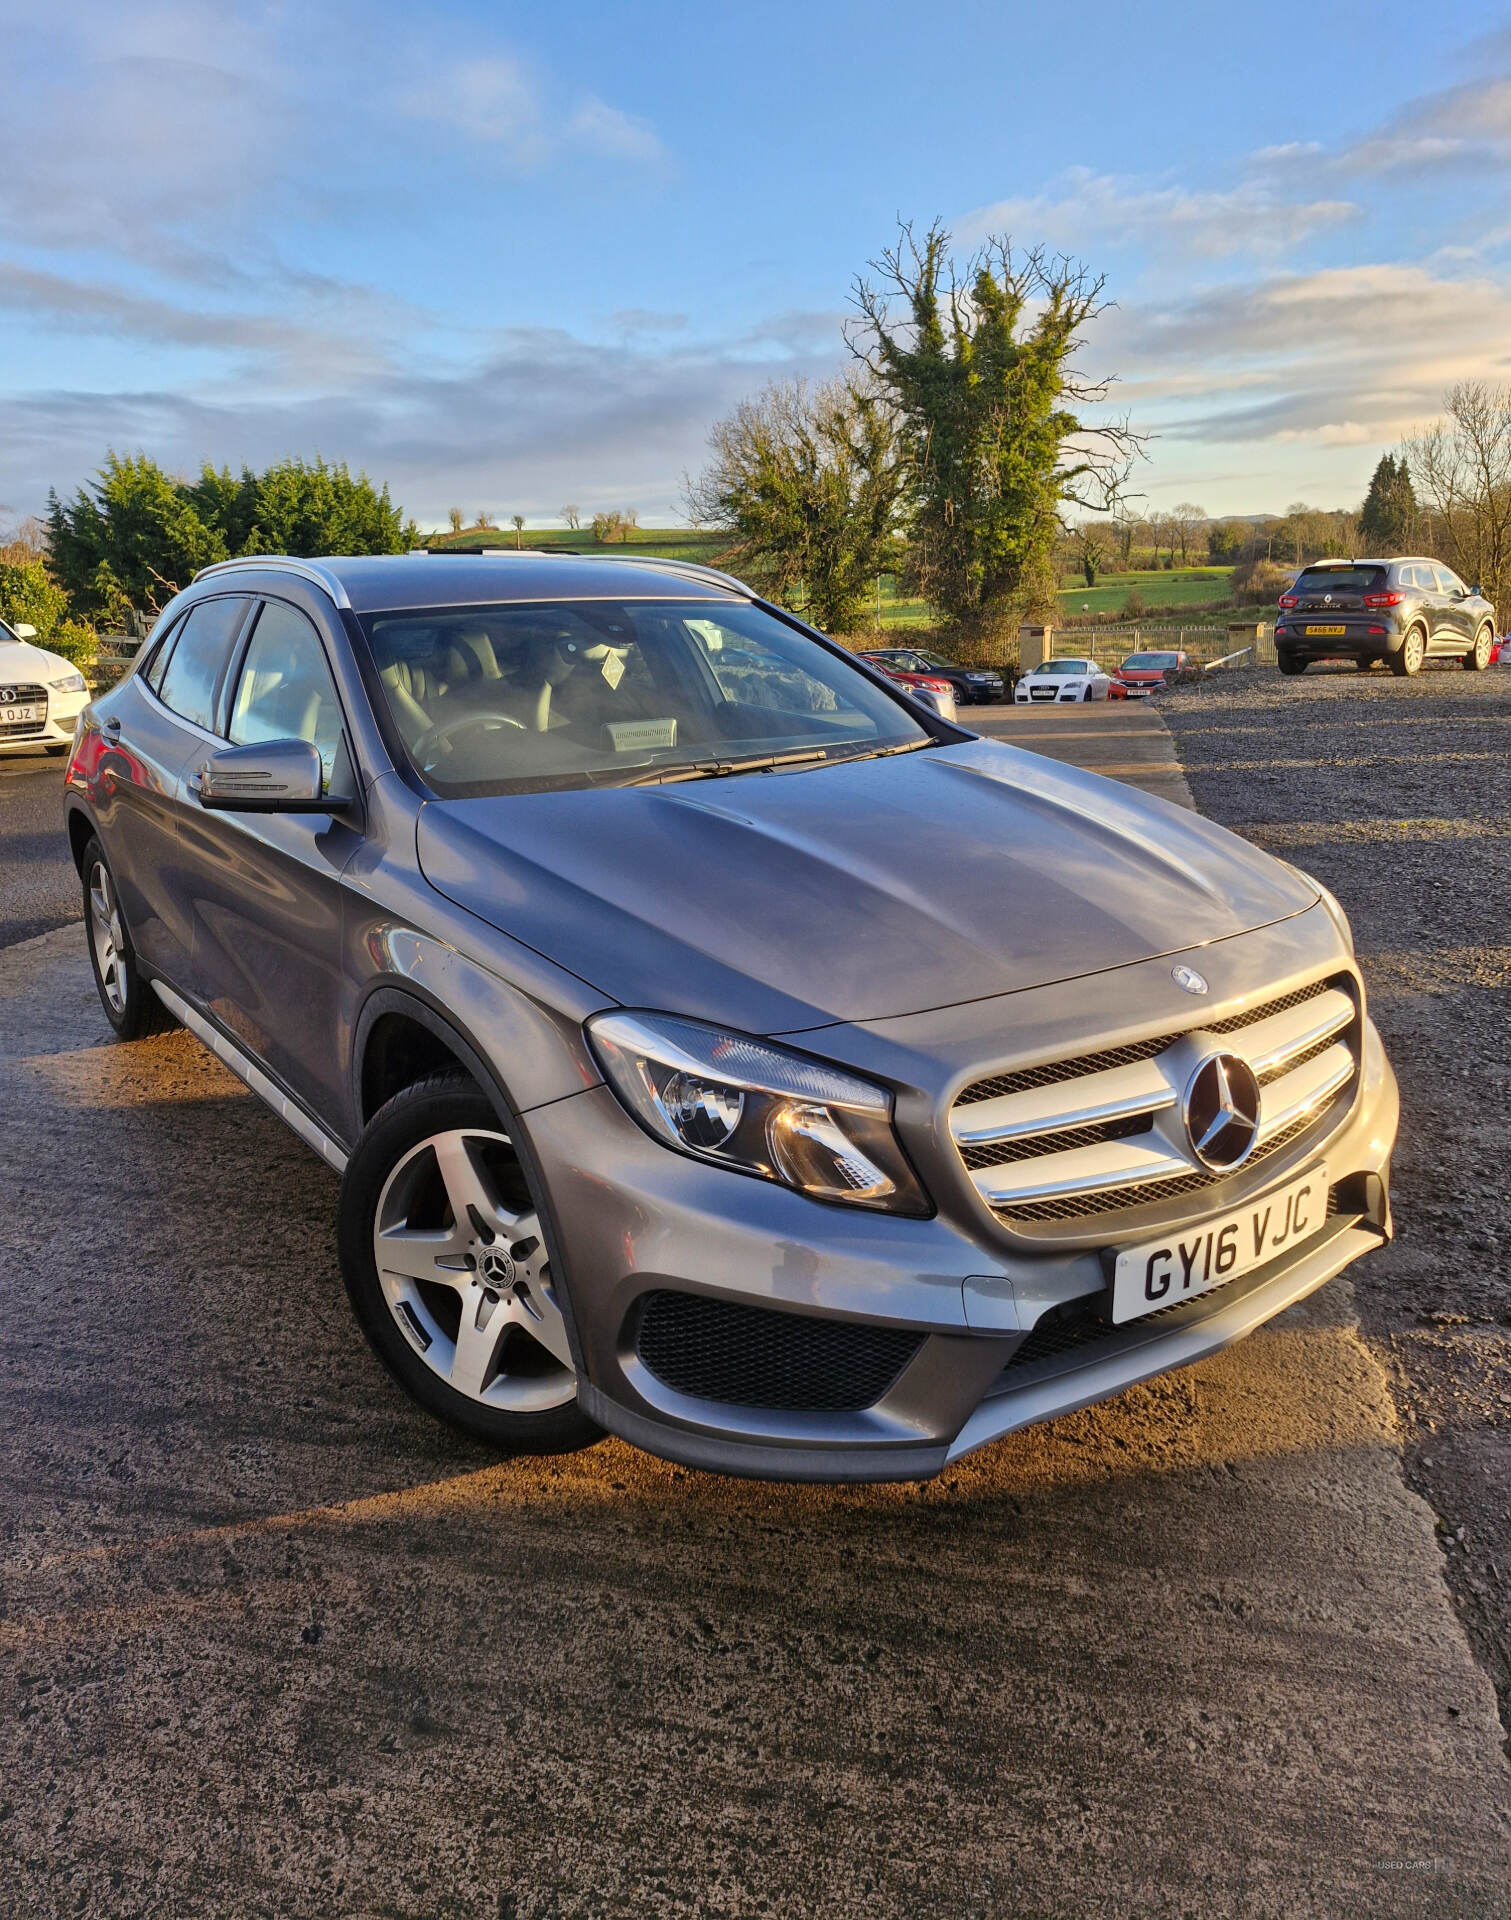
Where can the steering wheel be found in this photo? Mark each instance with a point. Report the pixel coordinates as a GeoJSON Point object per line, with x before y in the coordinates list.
{"type": "Point", "coordinates": [442, 734]}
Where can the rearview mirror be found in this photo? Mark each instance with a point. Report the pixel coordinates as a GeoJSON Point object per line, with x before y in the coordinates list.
{"type": "Point", "coordinates": [270, 776]}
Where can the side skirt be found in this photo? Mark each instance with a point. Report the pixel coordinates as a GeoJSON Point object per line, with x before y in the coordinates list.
{"type": "Point", "coordinates": [267, 1090]}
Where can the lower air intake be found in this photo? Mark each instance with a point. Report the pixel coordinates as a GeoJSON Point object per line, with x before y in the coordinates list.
{"type": "Point", "coordinates": [754, 1357]}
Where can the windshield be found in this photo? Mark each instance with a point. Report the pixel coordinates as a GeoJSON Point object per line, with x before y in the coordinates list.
{"type": "Point", "coordinates": [511, 698]}
{"type": "Point", "coordinates": [1064, 666]}
{"type": "Point", "coordinates": [1139, 662]}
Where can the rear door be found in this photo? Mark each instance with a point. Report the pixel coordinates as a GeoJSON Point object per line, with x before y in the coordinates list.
{"type": "Point", "coordinates": [164, 716]}
{"type": "Point", "coordinates": [265, 888]}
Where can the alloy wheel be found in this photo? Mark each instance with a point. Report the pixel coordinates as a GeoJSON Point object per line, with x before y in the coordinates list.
{"type": "Point", "coordinates": [1414, 648]}
{"type": "Point", "coordinates": [463, 1268]}
{"type": "Point", "coordinates": [108, 937]}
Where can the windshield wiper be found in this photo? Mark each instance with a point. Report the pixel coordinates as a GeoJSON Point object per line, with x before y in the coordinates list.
{"type": "Point", "coordinates": [713, 769]}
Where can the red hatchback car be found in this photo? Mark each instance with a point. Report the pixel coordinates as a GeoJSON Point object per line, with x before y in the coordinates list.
{"type": "Point", "coordinates": [1144, 673]}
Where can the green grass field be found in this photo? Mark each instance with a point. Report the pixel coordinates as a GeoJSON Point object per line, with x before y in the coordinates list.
{"type": "Point", "coordinates": [1182, 587]}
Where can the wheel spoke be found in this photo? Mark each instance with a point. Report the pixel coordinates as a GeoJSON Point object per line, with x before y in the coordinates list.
{"type": "Point", "coordinates": [534, 1308]}
{"type": "Point", "coordinates": [485, 1319]}
{"type": "Point", "coordinates": [417, 1255]}
{"type": "Point", "coordinates": [464, 1184]}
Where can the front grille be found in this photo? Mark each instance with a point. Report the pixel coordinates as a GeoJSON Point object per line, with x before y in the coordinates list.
{"type": "Point", "coordinates": [1101, 1132]}
{"type": "Point", "coordinates": [27, 696]}
{"type": "Point", "coordinates": [755, 1357]}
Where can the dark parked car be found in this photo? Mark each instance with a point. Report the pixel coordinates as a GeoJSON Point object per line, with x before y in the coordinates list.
{"type": "Point", "coordinates": [978, 685]}
{"type": "Point", "coordinates": [1401, 611]}
{"type": "Point", "coordinates": [701, 1027]}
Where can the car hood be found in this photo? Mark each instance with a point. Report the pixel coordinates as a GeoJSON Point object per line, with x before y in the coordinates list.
{"type": "Point", "coordinates": [780, 901]}
{"type": "Point", "coordinates": [20, 660]}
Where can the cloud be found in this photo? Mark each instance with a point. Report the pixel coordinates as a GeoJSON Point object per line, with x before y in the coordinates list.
{"type": "Point", "coordinates": [1112, 210]}
{"type": "Point", "coordinates": [545, 416]}
{"type": "Point", "coordinates": [1344, 356]}
{"type": "Point", "coordinates": [1456, 128]}
{"type": "Point", "coordinates": [509, 112]}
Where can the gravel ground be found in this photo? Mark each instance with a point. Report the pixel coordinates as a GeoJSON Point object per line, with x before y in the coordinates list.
{"type": "Point", "coordinates": [1395, 794]}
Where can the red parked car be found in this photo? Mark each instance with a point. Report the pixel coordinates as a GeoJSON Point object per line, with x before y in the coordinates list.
{"type": "Point", "coordinates": [929, 682]}
{"type": "Point", "coordinates": [1144, 673]}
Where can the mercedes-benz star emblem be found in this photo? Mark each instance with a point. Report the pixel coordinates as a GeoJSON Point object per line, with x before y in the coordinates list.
{"type": "Point", "coordinates": [496, 1269]}
{"type": "Point", "coordinates": [1222, 1112]}
{"type": "Point", "coordinates": [1189, 978]}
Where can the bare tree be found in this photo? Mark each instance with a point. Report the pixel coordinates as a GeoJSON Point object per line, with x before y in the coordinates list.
{"type": "Point", "coordinates": [454, 516]}
{"type": "Point", "coordinates": [1461, 468]}
{"type": "Point", "coordinates": [517, 521]}
{"type": "Point", "coordinates": [1187, 523]}
{"type": "Point", "coordinates": [1124, 527]}
{"type": "Point", "coordinates": [572, 516]}
{"type": "Point", "coordinates": [608, 526]}
{"type": "Point", "coordinates": [484, 519]}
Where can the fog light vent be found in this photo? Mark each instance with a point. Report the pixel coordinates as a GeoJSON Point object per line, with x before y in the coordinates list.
{"type": "Point", "coordinates": [755, 1357]}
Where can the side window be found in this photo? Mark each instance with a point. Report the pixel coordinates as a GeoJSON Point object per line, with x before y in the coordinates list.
{"type": "Point", "coordinates": [157, 663]}
{"type": "Point", "coordinates": [199, 655]}
{"type": "Point", "coordinates": [1450, 583]}
{"type": "Point", "coordinates": [285, 691]}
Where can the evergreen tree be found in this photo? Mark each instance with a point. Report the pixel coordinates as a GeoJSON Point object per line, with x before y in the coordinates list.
{"type": "Point", "coordinates": [1389, 514]}
{"type": "Point", "coordinates": [138, 536]}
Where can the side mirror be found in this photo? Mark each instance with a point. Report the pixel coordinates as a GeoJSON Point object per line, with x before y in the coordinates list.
{"type": "Point", "coordinates": [1476, 592]}
{"type": "Point", "coordinates": [270, 776]}
{"type": "Point", "coordinates": [23, 631]}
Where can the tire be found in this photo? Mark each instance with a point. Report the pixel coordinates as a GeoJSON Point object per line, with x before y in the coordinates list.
{"type": "Point", "coordinates": [1407, 659]}
{"type": "Point", "coordinates": [1477, 659]}
{"type": "Point", "coordinates": [460, 1310]}
{"type": "Point", "coordinates": [1288, 663]}
{"type": "Point", "coordinates": [130, 1005]}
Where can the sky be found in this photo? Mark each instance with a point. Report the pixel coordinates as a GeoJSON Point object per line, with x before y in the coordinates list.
{"type": "Point", "coordinates": [505, 259]}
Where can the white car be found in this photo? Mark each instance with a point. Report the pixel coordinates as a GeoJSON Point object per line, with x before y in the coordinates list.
{"type": "Point", "coordinates": [1060, 680]}
{"type": "Point", "coordinates": [41, 694]}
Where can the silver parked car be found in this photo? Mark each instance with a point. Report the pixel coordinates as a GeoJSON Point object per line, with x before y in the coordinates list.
{"type": "Point", "coordinates": [716, 1046]}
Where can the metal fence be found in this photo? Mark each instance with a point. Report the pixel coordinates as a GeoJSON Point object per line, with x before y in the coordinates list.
{"type": "Point", "coordinates": [1212, 646]}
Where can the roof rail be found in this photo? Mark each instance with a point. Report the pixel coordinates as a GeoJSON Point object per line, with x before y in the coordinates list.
{"type": "Point", "coordinates": [328, 582]}
{"type": "Point", "coordinates": [692, 569]}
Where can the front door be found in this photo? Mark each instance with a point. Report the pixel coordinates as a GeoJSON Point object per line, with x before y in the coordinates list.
{"type": "Point", "coordinates": [267, 886]}
{"type": "Point", "coordinates": [1456, 629]}
{"type": "Point", "coordinates": [162, 718]}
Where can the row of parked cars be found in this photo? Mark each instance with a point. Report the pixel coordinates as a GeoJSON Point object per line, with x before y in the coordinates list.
{"type": "Point", "coordinates": [1060, 679]}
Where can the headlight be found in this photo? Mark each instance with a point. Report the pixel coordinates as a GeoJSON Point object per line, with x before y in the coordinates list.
{"type": "Point", "coordinates": [756, 1108]}
{"type": "Point", "coordinates": [68, 683]}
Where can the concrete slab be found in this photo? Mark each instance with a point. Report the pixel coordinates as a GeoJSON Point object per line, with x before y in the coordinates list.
{"type": "Point", "coordinates": [272, 1643]}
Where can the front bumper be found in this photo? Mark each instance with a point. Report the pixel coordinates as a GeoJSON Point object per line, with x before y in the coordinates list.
{"type": "Point", "coordinates": [63, 710]}
{"type": "Point", "coordinates": [635, 1222]}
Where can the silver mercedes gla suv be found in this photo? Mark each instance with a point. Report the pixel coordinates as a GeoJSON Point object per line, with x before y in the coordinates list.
{"type": "Point", "coordinates": [716, 1046]}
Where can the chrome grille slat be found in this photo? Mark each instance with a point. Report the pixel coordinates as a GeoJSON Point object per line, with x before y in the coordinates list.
{"type": "Point", "coordinates": [1082, 1136]}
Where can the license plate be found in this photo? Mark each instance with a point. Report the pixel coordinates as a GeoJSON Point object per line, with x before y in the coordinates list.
{"type": "Point", "coordinates": [1179, 1266]}
{"type": "Point", "coordinates": [1327, 631]}
{"type": "Point", "coordinates": [21, 716]}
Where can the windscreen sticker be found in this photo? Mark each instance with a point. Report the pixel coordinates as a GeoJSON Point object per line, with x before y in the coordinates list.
{"type": "Point", "coordinates": [635, 736]}
{"type": "Point", "coordinates": [613, 667]}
